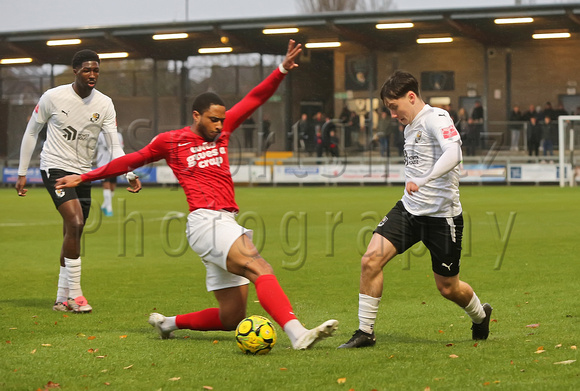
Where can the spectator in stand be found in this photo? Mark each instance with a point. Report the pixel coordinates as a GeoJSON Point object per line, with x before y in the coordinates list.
{"type": "Point", "coordinates": [515, 128]}
{"type": "Point", "coordinates": [548, 132]}
{"type": "Point", "coordinates": [333, 143]}
{"type": "Point", "coordinates": [319, 144]}
{"type": "Point", "coordinates": [560, 111]}
{"type": "Point", "coordinates": [249, 127]}
{"type": "Point", "coordinates": [452, 113]}
{"type": "Point", "coordinates": [399, 138]}
{"type": "Point", "coordinates": [534, 136]}
{"type": "Point", "coordinates": [477, 125]}
{"type": "Point", "coordinates": [318, 121]}
{"type": "Point", "coordinates": [266, 139]}
{"type": "Point", "coordinates": [549, 111]}
{"type": "Point", "coordinates": [327, 127]}
{"type": "Point", "coordinates": [531, 112]}
{"type": "Point", "coordinates": [472, 137]}
{"type": "Point", "coordinates": [353, 128]}
{"type": "Point", "coordinates": [383, 133]}
{"type": "Point", "coordinates": [461, 124]}
{"type": "Point", "coordinates": [344, 119]}
{"type": "Point", "coordinates": [306, 134]}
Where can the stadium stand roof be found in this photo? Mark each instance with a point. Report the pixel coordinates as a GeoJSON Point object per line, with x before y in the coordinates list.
{"type": "Point", "coordinates": [245, 35]}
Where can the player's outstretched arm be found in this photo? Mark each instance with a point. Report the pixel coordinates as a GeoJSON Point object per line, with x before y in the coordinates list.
{"type": "Point", "coordinates": [292, 55]}
{"type": "Point", "coordinates": [68, 181]}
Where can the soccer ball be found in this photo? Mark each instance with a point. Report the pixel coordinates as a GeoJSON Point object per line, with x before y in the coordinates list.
{"type": "Point", "coordinates": [255, 335]}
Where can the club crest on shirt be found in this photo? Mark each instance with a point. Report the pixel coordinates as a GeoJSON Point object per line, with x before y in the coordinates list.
{"type": "Point", "coordinates": [418, 136]}
{"type": "Point", "coordinates": [59, 193]}
{"type": "Point", "coordinates": [383, 221]}
{"type": "Point", "coordinates": [95, 117]}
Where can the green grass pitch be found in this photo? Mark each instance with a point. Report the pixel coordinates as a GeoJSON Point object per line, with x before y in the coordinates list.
{"type": "Point", "coordinates": [521, 251]}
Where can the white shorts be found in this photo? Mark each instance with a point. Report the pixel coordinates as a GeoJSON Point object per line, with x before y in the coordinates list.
{"type": "Point", "coordinates": [211, 234]}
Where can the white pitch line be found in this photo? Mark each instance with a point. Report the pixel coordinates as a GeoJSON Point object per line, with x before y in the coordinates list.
{"type": "Point", "coordinates": [104, 221]}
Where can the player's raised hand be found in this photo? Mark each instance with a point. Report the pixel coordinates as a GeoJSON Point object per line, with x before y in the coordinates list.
{"type": "Point", "coordinates": [68, 181]}
{"type": "Point", "coordinates": [20, 183]}
{"type": "Point", "coordinates": [292, 55]}
{"type": "Point", "coordinates": [134, 185]}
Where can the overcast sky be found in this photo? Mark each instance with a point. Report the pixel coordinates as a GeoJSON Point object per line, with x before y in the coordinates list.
{"type": "Point", "coordinates": [26, 15]}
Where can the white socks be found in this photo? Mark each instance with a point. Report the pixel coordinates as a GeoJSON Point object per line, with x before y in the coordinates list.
{"type": "Point", "coordinates": [368, 307]}
{"type": "Point", "coordinates": [169, 324]}
{"type": "Point", "coordinates": [62, 292]}
{"type": "Point", "coordinates": [73, 267]}
{"type": "Point", "coordinates": [475, 310]}
{"type": "Point", "coordinates": [107, 200]}
{"type": "Point", "coordinates": [294, 329]}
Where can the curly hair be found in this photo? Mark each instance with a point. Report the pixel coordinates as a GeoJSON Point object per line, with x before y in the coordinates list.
{"type": "Point", "coordinates": [84, 56]}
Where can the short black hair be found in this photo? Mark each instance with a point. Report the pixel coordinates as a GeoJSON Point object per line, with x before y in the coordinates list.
{"type": "Point", "coordinates": [398, 84]}
{"type": "Point", "coordinates": [84, 56]}
{"type": "Point", "coordinates": [203, 101]}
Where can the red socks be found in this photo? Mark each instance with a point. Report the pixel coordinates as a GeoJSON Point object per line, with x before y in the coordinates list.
{"type": "Point", "coordinates": [205, 320]}
{"type": "Point", "coordinates": [273, 299]}
{"type": "Point", "coordinates": [271, 296]}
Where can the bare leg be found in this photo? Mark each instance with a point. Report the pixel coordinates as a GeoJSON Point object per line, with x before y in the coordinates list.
{"type": "Point", "coordinates": [452, 288]}
{"type": "Point", "coordinates": [73, 224]}
{"type": "Point", "coordinates": [232, 305]}
{"type": "Point", "coordinates": [379, 252]}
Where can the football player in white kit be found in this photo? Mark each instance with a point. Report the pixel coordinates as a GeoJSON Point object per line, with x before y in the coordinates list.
{"type": "Point", "coordinates": [75, 114]}
{"type": "Point", "coordinates": [109, 184]}
{"type": "Point", "coordinates": [429, 211]}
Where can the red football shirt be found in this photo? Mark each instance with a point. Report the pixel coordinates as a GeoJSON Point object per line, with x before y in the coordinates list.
{"type": "Point", "coordinates": [201, 167]}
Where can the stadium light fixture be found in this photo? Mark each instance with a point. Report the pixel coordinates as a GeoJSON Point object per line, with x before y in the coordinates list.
{"type": "Point", "coordinates": [282, 30]}
{"type": "Point", "coordinates": [551, 35]}
{"type": "Point", "coordinates": [12, 61]}
{"type": "Point", "coordinates": [513, 20]}
{"type": "Point", "coordinates": [63, 42]}
{"type": "Point", "coordinates": [389, 26]}
{"type": "Point", "coordinates": [322, 45]}
{"type": "Point", "coordinates": [162, 37]}
{"type": "Point", "coordinates": [435, 40]}
{"type": "Point", "coordinates": [225, 49]}
{"type": "Point", "coordinates": [106, 56]}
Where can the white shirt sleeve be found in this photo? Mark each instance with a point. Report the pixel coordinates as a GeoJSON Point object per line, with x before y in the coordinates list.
{"type": "Point", "coordinates": [29, 143]}
{"type": "Point", "coordinates": [110, 132]}
{"type": "Point", "coordinates": [450, 158]}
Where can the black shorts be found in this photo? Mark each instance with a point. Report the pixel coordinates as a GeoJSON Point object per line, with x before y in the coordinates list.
{"type": "Point", "coordinates": [60, 196]}
{"type": "Point", "coordinates": [442, 236]}
{"type": "Point", "coordinates": [111, 179]}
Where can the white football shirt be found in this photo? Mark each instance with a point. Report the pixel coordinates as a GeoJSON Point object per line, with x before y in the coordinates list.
{"type": "Point", "coordinates": [73, 126]}
{"type": "Point", "coordinates": [430, 130]}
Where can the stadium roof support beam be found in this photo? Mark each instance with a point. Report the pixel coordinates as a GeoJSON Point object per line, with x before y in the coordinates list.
{"type": "Point", "coordinates": [486, 39]}
{"type": "Point", "coordinates": [235, 40]}
{"type": "Point", "coordinates": [14, 48]}
{"type": "Point", "coordinates": [573, 17]}
{"type": "Point", "coordinates": [350, 35]}
{"type": "Point", "coordinates": [123, 43]}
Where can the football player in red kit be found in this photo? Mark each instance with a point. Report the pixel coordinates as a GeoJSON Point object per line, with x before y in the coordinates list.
{"type": "Point", "coordinates": [198, 156]}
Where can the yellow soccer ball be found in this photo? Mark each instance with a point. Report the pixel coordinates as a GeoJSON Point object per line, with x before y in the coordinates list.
{"type": "Point", "coordinates": [255, 335]}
